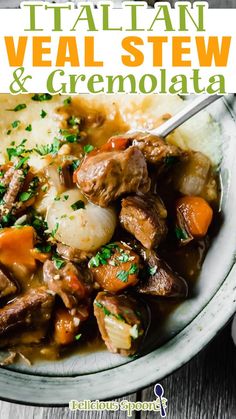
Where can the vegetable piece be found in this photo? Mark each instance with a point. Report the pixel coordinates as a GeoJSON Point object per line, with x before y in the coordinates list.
{"type": "Point", "coordinates": [196, 215]}
{"type": "Point", "coordinates": [65, 327]}
{"type": "Point", "coordinates": [194, 176]}
{"type": "Point", "coordinates": [121, 321]}
{"type": "Point", "coordinates": [116, 143]}
{"type": "Point", "coordinates": [16, 246]}
{"type": "Point", "coordinates": [115, 267]}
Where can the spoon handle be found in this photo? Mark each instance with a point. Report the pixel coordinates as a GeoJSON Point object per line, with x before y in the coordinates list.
{"type": "Point", "coordinates": [191, 109]}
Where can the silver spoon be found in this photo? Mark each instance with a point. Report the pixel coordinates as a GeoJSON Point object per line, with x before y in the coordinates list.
{"type": "Point", "coordinates": [192, 108]}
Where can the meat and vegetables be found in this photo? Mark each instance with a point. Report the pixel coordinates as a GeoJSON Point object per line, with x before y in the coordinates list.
{"type": "Point", "coordinates": [89, 241]}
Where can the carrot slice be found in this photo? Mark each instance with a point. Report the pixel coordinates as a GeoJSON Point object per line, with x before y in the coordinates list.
{"type": "Point", "coordinates": [65, 330]}
{"type": "Point", "coordinates": [197, 215]}
{"type": "Point", "coordinates": [16, 246]}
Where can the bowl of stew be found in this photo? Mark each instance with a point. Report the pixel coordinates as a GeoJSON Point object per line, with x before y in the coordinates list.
{"type": "Point", "coordinates": [116, 250]}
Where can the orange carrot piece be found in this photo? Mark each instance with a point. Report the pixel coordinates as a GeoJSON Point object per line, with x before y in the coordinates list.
{"type": "Point", "coordinates": [65, 330]}
{"type": "Point", "coordinates": [16, 246]}
{"type": "Point", "coordinates": [197, 214]}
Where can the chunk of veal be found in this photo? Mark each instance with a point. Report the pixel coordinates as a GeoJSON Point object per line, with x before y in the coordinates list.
{"type": "Point", "coordinates": [144, 216]}
{"type": "Point", "coordinates": [32, 309]}
{"type": "Point", "coordinates": [119, 321]}
{"type": "Point", "coordinates": [105, 176]}
{"type": "Point", "coordinates": [67, 282]}
{"type": "Point", "coordinates": [71, 254]}
{"type": "Point", "coordinates": [7, 285]}
{"type": "Point", "coordinates": [115, 267]}
{"type": "Point", "coordinates": [159, 279]}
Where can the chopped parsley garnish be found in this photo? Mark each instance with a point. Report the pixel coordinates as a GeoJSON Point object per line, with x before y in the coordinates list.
{"type": "Point", "coordinates": [88, 148]}
{"type": "Point", "coordinates": [29, 128]}
{"type": "Point", "coordinates": [16, 123]}
{"type": "Point", "coordinates": [67, 101]}
{"type": "Point", "coordinates": [43, 114]}
{"type": "Point", "coordinates": [101, 257]}
{"type": "Point", "coordinates": [152, 270]}
{"type": "Point", "coordinates": [123, 276]}
{"type": "Point", "coordinates": [74, 120]}
{"type": "Point", "coordinates": [19, 107]}
{"type": "Point", "coordinates": [21, 162]}
{"type": "Point", "coordinates": [77, 337]}
{"type": "Point", "coordinates": [16, 151]}
{"type": "Point", "coordinates": [78, 205]}
{"type": "Point", "coordinates": [44, 188]}
{"type": "Point", "coordinates": [43, 248]}
{"type": "Point", "coordinates": [41, 97]}
{"type": "Point", "coordinates": [39, 224]}
{"type": "Point", "coordinates": [75, 164]}
{"type": "Point", "coordinates": [123, 257]}
{"type": "Point", "coordinates": [31, 191]}
{"type": "Point", "coordinates": [68, 136]}
{"type": "Point", "coordinates": [53, 148]}
{"type": "Point", "coordinates": [181, 234]}
{"type": "Point", "coordinates": [58, 262]}
{"type": "Point", "coordinates": [55, 230]}
{"type": "Point", "coordinates": [9, 132]}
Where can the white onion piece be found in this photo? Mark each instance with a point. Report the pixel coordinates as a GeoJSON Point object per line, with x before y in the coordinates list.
{"type": "Point", "coordinates": [118, 333]}
{"type": "Point", "coordinates": [85, 229]}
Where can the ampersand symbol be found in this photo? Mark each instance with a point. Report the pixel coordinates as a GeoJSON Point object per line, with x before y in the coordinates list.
{"type": "Point", "coordinates": [19, 81]}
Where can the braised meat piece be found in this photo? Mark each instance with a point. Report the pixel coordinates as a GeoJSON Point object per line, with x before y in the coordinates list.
{"type": "Point", "coordinates": [12, 181]}
{"type": "Point", "coordinates": [105, 176]}
{"type": "Point", "coordinates": [115, 267]}
{"type": "Point", "coordinates": [7, 285]}
{"type": "Point", "coordinates": [121, 321]}
{"type": "Point", "coordinates": [68, 282]}
{"type": "Point", "coordinates": [32, 309]}
{"type": "Point", "coordinates": [144, 216]}
{"type": "Point", "coordinates": [159, 279]}
{"type": "Point", "coordinates": [71, 254]}
{"type": "Point", "coordinates": [155, 149]}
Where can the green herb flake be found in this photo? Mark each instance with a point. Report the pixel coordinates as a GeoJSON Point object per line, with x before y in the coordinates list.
{"type": "Point", "coordinates": [67, 101]}
{"type": "Point", "coordinates": [15, 124]}
{"type": "Point", "coordinates": [9, 132]}
{"type": "Point", "coordinates": [78, 205]}
{"type": "Point", "coordinates": [77, 337]}
{"type": "Point", "coordinates": [55, 230]}
{"type": "Point", "coordinates": [18, 108]}
{"type": "Point", "coordinates": [123, 276]}
{"type": "Point", "coordinates": [152, 270]}
{"type": "Point", "coordinates": [133, 269]}
{"type": "Point", "coordinates": [58, 262]}
{"type": "Point", "coordinates": [24, 196]}
{"type": "Point", "coordinates": [41, 97]}
{"type": "Point", "coordinates": [73, 121]}
{"type": "Point", "coordinates": [181, 234]}
{"type": "Point", "coordinates": [29, 128]}
{"type": "Point", "coordinates": [21, 162]}
{"type": "Point", "coordinates": [88, 148]}
{"type": "Point", "coordinates": [44, 188]}
{"type": "Point", "coordinates": [52, 148]}
{"type": "Point", "coordinates": [43, 114]}
{"type": "Point", "coordinates": [75, 164]}
{"type": "Point", "coordinates": [42, 248]}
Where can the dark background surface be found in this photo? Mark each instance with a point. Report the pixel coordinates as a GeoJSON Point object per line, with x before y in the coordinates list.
{"type": "Point", "coordinates": [204, 388]}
